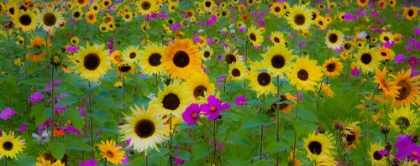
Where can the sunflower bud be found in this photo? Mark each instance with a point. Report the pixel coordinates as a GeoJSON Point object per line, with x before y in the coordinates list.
{"type": "Point", "coordinates": [320, 130]}
{"type": "Point", "coordinates": [388, 146]}
{"type": "Point", "coordinates": [395, 162]}
{"type": "Point", "coordinates": [338, 125]}
{"type": "Point", "coordinates": [385, 129]}
{"type": "Point", "coordinates": [415, 138]}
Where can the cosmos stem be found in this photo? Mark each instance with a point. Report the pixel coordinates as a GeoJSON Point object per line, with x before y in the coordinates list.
{"type": "Point", "coordinates": [215, 143]}
{"type": "Point", "coordinates": [296, 119]}
{"type": "Point", "coordinates": [262, 128]}
{"type": "Point", "coordinates": [52, 103]}
{"type": "Point", "coordinates": [170, 140]}
{"type": "Point", "coordinates": [278, 120]}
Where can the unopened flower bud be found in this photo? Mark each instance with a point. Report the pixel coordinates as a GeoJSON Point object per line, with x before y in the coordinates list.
{"type": "Point", "coordinates": [388, 146]}
{"type": "Point", "coordinates": [320, 130]}
{"type": "Point", "coordinates": [415, 138]}
{"type": "Point", "coordinates": [338, 125]}
{"type": "Point", "coordinates": [385, 129]}
{"type": "Point", "coordinates": [395, 162]}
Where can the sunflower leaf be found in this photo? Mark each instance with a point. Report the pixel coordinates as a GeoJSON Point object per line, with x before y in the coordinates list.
{"type": "Point", "coordinates": [25, 160]}
{"type": "Point", "coordinates": [200, 151]}
{"type": "Point", "coordinates": [109, 127]}
{"type": "Point", "coordinates": [184, 155]}
{"type": "Point", "coordinates": [307, 115]}
{"type": "Point", "coordinates": [68, 100]}
{"type": "Point", "coordinates": [74, 116]}
{"type": "Point", "coordinates": [40, 114]}
{"type": "Point", "coordinates": [57, 150]}
{"type": "Point", "coordinates": [77, 144]}
{"type": "Point", "coordinates": [256, 121]}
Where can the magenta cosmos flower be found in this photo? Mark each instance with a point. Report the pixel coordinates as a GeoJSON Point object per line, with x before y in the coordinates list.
{"type": "Point", "coordinates": [191, 114]}
{"type": "Point", "coordinates": [7, 113]}
{"type": "Point", "coordinates": [36, 97]}
{"type": "Point", "coordinates": [240, 100]}
{"type": "Point", "coordinates": [213, 108]}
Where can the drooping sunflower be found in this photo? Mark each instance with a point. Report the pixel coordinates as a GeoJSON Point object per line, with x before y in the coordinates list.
{"type": "Point", "coordinates": [350, 135]}
{"type": "Point", "coordinates": [125, 68]}
{"type": "Point", "coordinates": [409, 88]}
{"type": "Point", "coordinates": [37, 42]}
{"type": "Point", "coordinates": [386, 36]}
{"type": "Point", "coordinates": [362, 3]}
{"type": "Point", "coordinates": [376, 159]}
{"type": "Point", "coordinates": [81, 3]}
{"type": "Point", "coordinates": [277, 9]}
{"type": "Point", "coordinates": [150, 62]}
{"type": "Point", "coordinates": [410, 13]}
{"type": "Point", "coordinates": [334, 39]}
{"type": "Point", "coordinates": [388, 89]}
{"type": "Point", "coordinates": [305, 73]}
{"type": "Point", "coordinates": [181, 59]}
{"type": "Point", "coordinates": [44, 162]}
{"type": "Point", "coordinates": [255, 36]}
{"type": "Point", "coordinates": [91, 17]}
{"type": "Point", "coordinates": [11, 146]}
{"type": "Point", "coordinates": [299, 18]}
{"type": "Point", "coordinates": [146, 6]}
{"type": "Point", "coordinates": [173, 99]}
{"type": "Point", "coordinates": [144, 128]}
{"type": "Point", "coordinates": [286, 108]}
{"type": "Point", "coordinates": [93, 62]}
{"type": "Point", "coordinates": [318, 145]}
{"type": "Point", "coordinates": [277, 38]}
{"type": "Point", "coordinates": [332, 67]}
{"type": "Point", "coordinates": [207, 53]}
{"type": "Point", "coordinates": [278, 60]}
{"type": "Point", "coordinates": [111, 152]}
{"type": "Point", "coordinates": [131, 54]}
{"type": "Point", "coordinates": [237, 71]}
{"type": "Point", "coordinates": [26, 20]}
{"type": "Point", "coordinates": [403, 120]}
{"type": "Point", "coordinates": [367, 59]}
{"type": "Point", "coordinates": [50, 19]}
{"type": "Point", "coordinates": [261, 81]}
{"type": "Point", "coordinates": [199, 85]}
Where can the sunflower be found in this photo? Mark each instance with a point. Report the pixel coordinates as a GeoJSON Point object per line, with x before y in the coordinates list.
{"type": "Point", "coordinates": [387, 89]}
{"type": "Point", "coordinates": [173, 99]}
{"type": "Point", "coordinates": [261, 81]}
{"type": "Point", "coordinates": [367, 59]}
{"type": "Point", "coordinates": [299, 18]}
{"type": "Point", "coordinates": [403, 120]}
{"type": "Point", "coordinates": [37, 42]}
{"type": "Point", "coordinates": [397, 38]}
{"type": "Point", "coordinates": [116, 57]}
{"type": "Point", "coordinates": [105, 4]}
{"type": "Point", "coordinates": [12, 9]}
{"type": "Point", "coordinates": [172, 5]}
{"type": "Point", "coordinates": [206, 53]}
{"type": "Point", "coordinates": [44, 162]}
{"type": "Point", "coordinates": [131, 54]}
{"type": "Point", "coordinates": [237, 71]}
{"type": "Point", "coordinates": [410, 12]}
{"type": "Point", "coordinates": [320, 22]}
{"type": "Point", "coordinates": [125, 68]}
{"type": "Point", "coordinates": [74, 41]}
{"type": "Point", "coordinates": [348, 46]}
{"type": "Point", "coordinates": [208, 5]}
{"type": "Point", "coordinates": [199, 85]}
{"type": "Point", "coordinates": [255, 36]}
{"type": "Point", "coordinates": [376, 159]}
{"type": "Point", "coordinates": [334, 39]}
{"type": "Point", "coordinates": [362, 3]}
{"type": "Point", "coordinates": [50, 19]}
{"type": "Point", "coordinates": [278, 60]}
{"type": "Point", "coordinates": [386, 37]}
{"type": "Point", "coordinates": [103, 27]}
{"type": "Point", "coordinates": [318, 145]}
{"type": "Point", "coordinates": [350, 135]}
{"type": "Point", "coordinates": [93, 62]}
{"type": "Point", "coordinates": [81, 3]}
{"type": "Point", "coordinates": [111, 152]}
{"type": "Point", "coordinates": [277, 38]}
{"type": "Point", "coordinates": [305, 73]}
{"type": "Point", "coordinates": [325, 160]}
{"type": "Point", "coordinates": [150, 62]}
{"type": "Point", "coordinates": [386, 54]}
{"type": "Point", "coordinates": [146, 6]}
{"type": "Point", "coordinates": [182, 58]}
{"type": "Point", "coordinates": [409, 88]}
{"type": "Point", "coordinates": [332, 67]}
{"type": "Point", "coordinates": [77, 14]}
{"type": "Point", "coordinates": [276, 9]}
{"type": "Point", "coordinates": [11, 145]}
{"type": "Point", "coordinates": [91, 17]}
{"type": "Point", "coordinates": [286, 108]}
{"type": "Point", "coordinates": [26, 20]}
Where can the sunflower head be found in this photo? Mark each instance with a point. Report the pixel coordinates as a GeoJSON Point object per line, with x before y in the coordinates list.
{"type": "Point", "coordinates": [11, 146]}
{"type": "Point", "coordinates": [300, 18]}
{"type": "Point", "coordinates": [305, 73]}
{"type": "Point", "coordinates": [111, 152]}
{"type": "Point", "coordinates": [93, 62]}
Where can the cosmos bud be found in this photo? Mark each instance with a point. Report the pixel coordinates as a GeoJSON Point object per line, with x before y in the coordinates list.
{"type": "Point", "coordinates": [388, 146]}
{"type": "Point", "coordinates": [385, 129]}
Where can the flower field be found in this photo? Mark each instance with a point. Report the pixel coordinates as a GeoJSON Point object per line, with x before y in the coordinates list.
{"type": "Point", "coordinates": [237, 82]}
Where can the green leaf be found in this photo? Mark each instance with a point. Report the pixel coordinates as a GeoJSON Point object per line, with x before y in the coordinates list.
{"type": "Point", "coordinates": [101, 116]}
{"type": "Point", "coordinates": [77, 144]}
{"type": "Point", "coordinates": [261, 163]}
{"type": "Point", "coordinates": [163, 151]}
{"type": "Point", "coordinates": [184, 155]}
{"type": "Point", "coordinates": [231, 116]}
{"type": "Point", "coordinates": [74, 116]}
{"type": "Point", "coordinates": [307, 115]}
{"type": "Point", "coordinates": [41, 113]}
{"type": "Point", "coordinates": [68, 100]}
{"type": "Point", "coordinates": [57, 150]}
{"type": "Point", "coordinates": [256, 121]}
{"type": "Point", "coordinates": [237, 138]}
{"type": "Point", "coordinates": [299, 126]}
{"type": "Point", "coordinates": [25, 160]}
{"type": "Point", "coordinates": [200, 151]}
{"type": "Point", "coordinates": [34, 81]}
{"type": "Point", "coordinates": [109, 127]}
{"type": "Point", "coordinates": [137, 161]}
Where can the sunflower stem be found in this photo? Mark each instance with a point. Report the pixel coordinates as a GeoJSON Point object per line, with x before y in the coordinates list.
{"type": "Point", "coordinates": [91, 122]}
{"type": "Point", "coordinates": [5, 161]}
{"type": "Point", "coordinates": [370, 109]}
{"type": "Point", "coordinates": [105, 162]}
{"type": "Point", "coordinates": [147, 157]}
{"type": "Point", "coordinates": [52, 103]}
{"type": "Point", "coordinates": [156, 79]}
{"type": "Point", "coordinates": [170, 140]}
{"type": "Point", "coordinates": [215, 143]}
{"type": "Point", "coordinates": [262, 129]}
{"type": "Point", "coordinates": [296, 118]}
{"type": "Point", "coordinates": [278, 120]}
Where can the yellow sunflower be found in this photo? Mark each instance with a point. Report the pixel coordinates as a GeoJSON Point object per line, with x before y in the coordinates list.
{"type": "Point", "coordinates": [11, 146]}
{"type": "Point", "coordinates": [207, 53]}
{"type": "Point", "coordinates": [277, 9]}
{"type": "Point", "coordinates": [332, 67]}
{"type": "Point", "coordinates": [334, 39]}
{"type": "Point", "coordinates": [397, 38]}
{"type": "Point", "coordinates": [81, 3]}
{"type": "Point", "coordinates": [26, 20]}
{"type": "Point", "coordinates": [146, 6]}
{"type": "Point", "coordinates": [94, 7]}
{"type": "Point", "coordinates": [255, 36]}
{"type": "Point", "coordinates": [12, 9]}
{"type": "Point", "coordinates": [93, 62]}
{"type": "Point", "coordinates": [367, 59]}
{"type": "Point", "coordinates": [410, 13]}
{"type": "Point", "coordinates": [173, 99]}
{"type": "Point", "coordinates": [116, 57]}
{"type": "Point", "coordinates": [37, 42]}
{"type": "Point", "coordinates": [325, 160]}
{"type": "Point", "coordinates": [348, 46]}
{"type": "Point", "coordinates": [261, 81]}
{"type": "Point", "coordinates": [350, 135]}
{"type": "Point", "coordinates": [278, 60]}
{"type": "Point", "coordinates": [44, 162]}
{"type": "Point", "coordinates": [199, 85]}
{"type": "Point", "coordinates": [105, 4]}
{"type": "Point", "coordinates": [181, 59]}
{"type": "Point", "coordinates": [144, 128]}
{"type": "Point", "coordinates": [305, 73]}
{"type": "Point", "coordinates": [286, 108]}
{"type": "Point", "coordinates": [208, 5]}
{"type": "Point", "coordinates": [230, 56]}
{"type": "Point", "coordinates": [318, 145]}
{"type": "Point", "coordinates": [50, 19]}
{"type": "Point", "coordinates": [386, 53]}
{"type": "Point", "coordinates": [362, 3]}
{"type": "Point", "coordinates": [237, 71]}
{"type": "Point", "coordinates": [403, 120]}
{"type": "Point", "coordinates": [299, 18]}
{"type": "Point", "coordinates": [91, 17]}
{"type": "Point", "coordinates": [321, 23]}
{"type": "Point", "coordinates": [125, 68]}
{"type": "Point", "coordinates": [77, 14]}
{"type": "Point", "coordinates": [131, 54]}
{"type": "Point", "coordinates": [277, 38]}
{"type": "Point", "coordinates": [376, 159]}
{"type": "Point", "coordinates": [387, 89]}
{"type": "Point", "coordinates": [386, 36]}
{"type": "Point", "coordinates": [409, 88]}
{"type": "Point", "coordinates": [111, 152]}
{"type": "Point", "coordinates": [150, 61]}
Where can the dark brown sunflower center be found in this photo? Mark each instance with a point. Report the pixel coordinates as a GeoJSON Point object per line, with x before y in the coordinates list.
{"type": "Point", "coordinates": [320, 22]}
{"type": "Point", "coordinates": [229, 58]}
{"type": "Point", "coordinates": [125, 68]}
{"type": "Point", "coordinates": [362, 1]}
{"type": "Point", "coordinates": [81, 1]}
{"type": "Point", "coordinates": [350, 138]}
{"type": "Point", "coordinates": [25, 20]}
{"type": "Point", "coordinates": [404, 91]}
{"type": "Point", "coordinates": [277, 9]}
{"type": "Point", "coordinates": [106, 3]}
{"type": "Point", "coordinates": [181, 59]}
{"type": "Point", "coordinates": [109, 154]}
{"type": "Point", "coordinates": [333, 38]}
{"type": "Point", "coordinates": [347, 46]}
{"type": "Point", "coordinates": [206, 54]}
{"type": "Point", "coordinates": [103, 28]}
{"type": "Point", "coordinates": [132, 55]}
{"type": "Point", "coordinates": [386, 38]}
{"type": "Point", "coordinates": [7, 146]}
{"type": "Point", "coordinates": [76, 14]}
{"type": "Point", "coordinates": [283, 105]}
{"type": "Point", "coordinates": [276, 39]}
{"type": "Point", "coordinates": [199, 91]}
{"type": "Point", "coordinates": [170, 21]}
{"type": "Point", "coordinates": [95, 7]}
{"type": "Point", "coordinates": [49, 19]}
{"type": "Point", "coordinates": [314, 15]}
{"type": "Point", "coordinates": [12, 11]}
{"type": "Point", "coordinates": [252, 37]}
{"type": "Point", "coordinates": [171, 101]}
{"type": "Point", "coordinates": [144, 128]}
{"type": "Point", "coordinates": [331, 67]}
{"type": "Point", "coordinates": [146, 5]}
{"type": "Point", "coordinates": [92, 61]}
{"type": "Point", "coordinates": [383, 53]}
{"type": "Point", "coordinates": [377, 156]}
{"type": "Point", "coordinates": [154, 59]}
{"type": "Point", "coordinates": [91, 17]}
{"type": "Point", "coordinates": [410, 12]}
{"type": "Point", "coordinates": [127, 16]}
{"type": "Point", "coordinates": [302, 75]}
{"type": "Point", "coordinates": [299, 19]}
{"type": "Point", "coordinates": [264, 79]}
{"type": "Point", "coordinates": [236, 72]}
{"type": "Point", "coordinates": [403, 122]}
{"type": "Point", "coordinates": [278, 61]}
{"type": "Point", "coordinates": [207, 3]}
{"type": "Point", "coordinates": [315, 147]}
{"type": "Point", "coordinates": [366, 58]}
